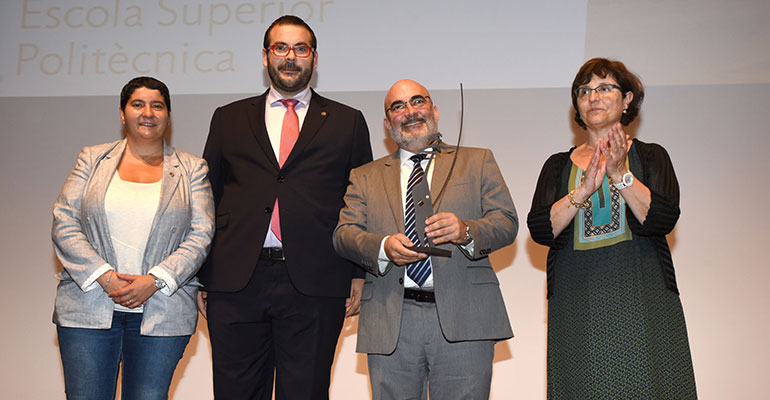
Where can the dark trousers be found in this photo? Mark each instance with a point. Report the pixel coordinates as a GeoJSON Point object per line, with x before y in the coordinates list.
{"type": "Point", "coordinates": [269, 327]}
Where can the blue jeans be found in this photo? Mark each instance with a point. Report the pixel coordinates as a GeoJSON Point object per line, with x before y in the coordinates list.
{"type": "Point", "coordinates": [91, 360]}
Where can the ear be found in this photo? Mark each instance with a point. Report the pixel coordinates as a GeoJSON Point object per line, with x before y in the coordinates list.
{"type": "Point", "coordinates": [388, 126]}
{"type": "Point", "coordinates": [435, 111]}
{"type": "Point", "coordinates": [628, 98]}
{"type": "Point", "coordinates": [264, 58]}
{"type": "Point", "coordinates": [315, 59]}
{"type": "Point", "coordinates": [122, 116]}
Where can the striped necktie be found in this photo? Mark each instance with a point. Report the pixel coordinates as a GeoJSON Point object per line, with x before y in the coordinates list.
{"type": "Point", "coordinates": [420, 270]}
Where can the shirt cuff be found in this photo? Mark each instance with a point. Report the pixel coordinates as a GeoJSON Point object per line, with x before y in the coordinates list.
{"type": "Point", "coordinates": [468, 247]}
{"type": "Point", "coordinates": [382, 258]}
{"type": "Point", "coordinates": [161, 274]}
{"type": "Point", "coordinates": [91, 283]}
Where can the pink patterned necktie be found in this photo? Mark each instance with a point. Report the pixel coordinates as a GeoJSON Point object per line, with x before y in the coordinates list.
{"type": "Point", "coordinates": [289, 135]}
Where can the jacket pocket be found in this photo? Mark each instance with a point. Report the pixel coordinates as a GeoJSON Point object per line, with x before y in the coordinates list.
{"type": "Point", "coordinates": [460, 181]}
{"type": "Point", "coordinates": [366, 292]}
{"type": "Point", "coordinates": [481, 274]}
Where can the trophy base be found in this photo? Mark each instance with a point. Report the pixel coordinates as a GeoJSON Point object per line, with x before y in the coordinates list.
{"type": "Point", "coordinates": [431, 251]}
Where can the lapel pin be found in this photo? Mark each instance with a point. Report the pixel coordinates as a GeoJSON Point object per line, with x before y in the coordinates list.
{"type": "Point", "coordinates": [323, 113]}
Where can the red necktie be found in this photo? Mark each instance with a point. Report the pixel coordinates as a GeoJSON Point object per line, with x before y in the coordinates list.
{"type": "Point", "coordinates": [289, 135]}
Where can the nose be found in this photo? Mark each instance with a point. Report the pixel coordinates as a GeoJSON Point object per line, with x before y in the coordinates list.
{"type": "Point", "coordinates": [594, 95]}
{"type": "Point", "coordinates": [147, 110]}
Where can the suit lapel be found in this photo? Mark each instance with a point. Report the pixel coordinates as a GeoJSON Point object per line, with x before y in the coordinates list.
{"type": "Point", "coordinates": [259, 129]}
{"type": "Point", "coordinates": [391, 178]}
{"type": "Point", "coordinates": [103, 173]}
{"type": "Point", "coordinates": [102, 176]}
{"type": "Point", "coordinates": [442, 164]}
{"type": "Point", "coordinates": [169, 181]}
{"type": "Point", "coordinates": [314, 119]}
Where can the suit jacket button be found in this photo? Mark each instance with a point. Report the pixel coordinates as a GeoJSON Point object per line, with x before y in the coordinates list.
{"type": "Point", "coordinates": [401, 280]}
{"type": "Point", "coordinates": [281, 179]}
{"type": "Point", "coordinates": [268, 210]}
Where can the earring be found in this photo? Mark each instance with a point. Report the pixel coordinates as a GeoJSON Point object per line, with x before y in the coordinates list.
{"type": "Point", "coordinates": [625, 111]}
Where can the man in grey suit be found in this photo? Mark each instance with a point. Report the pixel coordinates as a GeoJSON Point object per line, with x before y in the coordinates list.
{"type": "Point", "coordinates": [427, 323]}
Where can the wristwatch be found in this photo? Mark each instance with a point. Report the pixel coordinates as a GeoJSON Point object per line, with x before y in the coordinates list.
{"type": "Point", "coordinates": [626, 181]}
{"type": "Point", "coordinates": [159, 283]}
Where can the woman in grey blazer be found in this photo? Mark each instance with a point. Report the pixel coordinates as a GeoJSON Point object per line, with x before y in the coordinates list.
{"type": "Point", "coordinates": [131, 227]}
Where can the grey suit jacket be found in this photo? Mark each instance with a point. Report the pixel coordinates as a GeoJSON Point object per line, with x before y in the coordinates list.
{"type": "Point", "coordinates": [179, 240]}
{"type": "Point", "coordinates": [468, 298]}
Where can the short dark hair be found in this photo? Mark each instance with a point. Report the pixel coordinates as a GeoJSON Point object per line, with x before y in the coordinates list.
{"type": "Point", "coordinates": [627, 80]}
{"type": "Point", "coordinates": [290, 20]}
{"type": "Point", "coordinates": [146, 82]}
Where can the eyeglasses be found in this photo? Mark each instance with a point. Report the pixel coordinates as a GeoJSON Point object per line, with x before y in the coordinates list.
{"type": "Point", "coordinates": [603, 90]}
{"type": "Point", "coordinates": [418, 102]}
{"type": "Point", "coordinates": [283, 49]}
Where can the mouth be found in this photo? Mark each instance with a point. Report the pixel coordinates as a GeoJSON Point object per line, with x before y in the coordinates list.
{"type": "Point", "coordinates": [289, 68]}
{"type": "Point", "coordinates": [412, 122]}
{"type": "Point", "coordinates": [148, 124]}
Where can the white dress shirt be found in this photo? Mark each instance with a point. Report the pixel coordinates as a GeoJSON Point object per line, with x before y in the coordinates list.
{"type": "Point", "coordinates": [274, 112]}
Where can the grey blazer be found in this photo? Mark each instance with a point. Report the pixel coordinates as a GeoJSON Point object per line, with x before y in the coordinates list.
{"type": "Point", "coordinates": [179, 240]}
{"type": "Point", "coordinates": [468, 298]}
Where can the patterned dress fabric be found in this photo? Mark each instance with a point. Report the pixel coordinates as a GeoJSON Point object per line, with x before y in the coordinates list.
{"type": "Point", "coordinates": [616, 327]}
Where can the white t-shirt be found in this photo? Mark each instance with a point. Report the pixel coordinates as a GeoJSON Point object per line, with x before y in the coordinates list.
{"type": "Point", "coordinates": [130, 209]}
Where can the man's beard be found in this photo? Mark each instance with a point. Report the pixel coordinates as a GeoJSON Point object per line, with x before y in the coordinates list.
{"type": "Point", "coordinates": [415, 142]}
{"type": "Point", "coordinates": [285, 85]}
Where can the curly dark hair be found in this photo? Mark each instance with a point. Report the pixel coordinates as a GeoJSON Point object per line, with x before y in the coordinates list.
{"type": "Point", "coordinates": [146, 82]}
{"type": "Point", "coordinates": [290, 20]}
{"type": "Point", "coordinates": [627, 80]}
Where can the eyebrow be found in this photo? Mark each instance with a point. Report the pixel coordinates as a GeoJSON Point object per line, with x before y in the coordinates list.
{"type": "Point", "coordinates": [293, 45]}
{"type": "Point", "coordinates": [417, 96]}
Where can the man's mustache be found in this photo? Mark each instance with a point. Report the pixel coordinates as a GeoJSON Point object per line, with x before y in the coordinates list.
{"type": "Point", "coordinates": [412, 118]}
{"type": "Point", "coordinates": [289, 66]}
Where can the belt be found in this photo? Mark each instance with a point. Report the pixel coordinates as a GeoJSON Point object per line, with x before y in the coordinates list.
{"type": "Point", "coordinates": [271, 253]}
{"type": "Point", "coordinates": [421, 296]}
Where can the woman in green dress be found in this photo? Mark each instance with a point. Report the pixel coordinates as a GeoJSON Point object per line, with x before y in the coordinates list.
{"type": "Point", "coordinates": [616, 328]}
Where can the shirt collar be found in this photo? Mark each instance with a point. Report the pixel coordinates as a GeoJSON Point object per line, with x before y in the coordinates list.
{"type": "Point", "coordinates": [274, 97]}
{"type": "Point", "coordinates": [404, 155]}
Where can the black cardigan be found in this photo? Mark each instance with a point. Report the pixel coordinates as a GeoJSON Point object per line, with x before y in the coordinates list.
{"type": "Point", "coordinates": [650, 163]}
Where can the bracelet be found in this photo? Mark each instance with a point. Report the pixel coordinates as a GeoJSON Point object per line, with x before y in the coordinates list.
{"type": "Point", "coordinates": [571, 197]}
{"type": "Point", "coordinates": [468, 238]}
{"type": "Point", "coordinates": [112, 271]}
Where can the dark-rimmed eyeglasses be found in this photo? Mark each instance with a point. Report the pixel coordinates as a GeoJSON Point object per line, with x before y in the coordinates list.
{"type": "Point", "coordinates": [283, 49]}
{"type": "Point", "coordinates": [603, 90]}
{"type": "Point", "coordinates": [418, 102]}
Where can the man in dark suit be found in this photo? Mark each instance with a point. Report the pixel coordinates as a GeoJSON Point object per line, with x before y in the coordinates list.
{"type": "Point", "coordinates": [427, 321]}
{"type": "Point", "coordinates": [276, 292]}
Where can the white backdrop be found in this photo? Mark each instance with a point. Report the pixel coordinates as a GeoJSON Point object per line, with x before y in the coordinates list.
{"type": "Point", "coordinates": [706, 65]}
